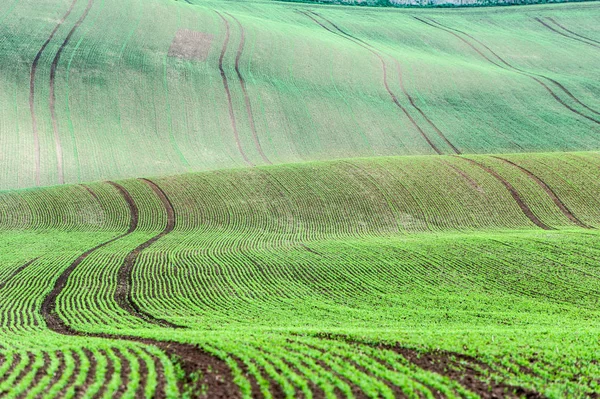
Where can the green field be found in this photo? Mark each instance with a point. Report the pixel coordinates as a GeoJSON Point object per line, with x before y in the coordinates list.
{"type": "Point", "coordinates": [260, 199]}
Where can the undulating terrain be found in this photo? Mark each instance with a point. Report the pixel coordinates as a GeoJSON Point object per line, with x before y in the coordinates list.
{"type": "Point", "coordinates": [260, 199]}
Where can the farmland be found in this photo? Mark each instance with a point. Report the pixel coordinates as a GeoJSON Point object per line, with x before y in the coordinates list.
{"type": "Point", "coordinates": [269, 199]}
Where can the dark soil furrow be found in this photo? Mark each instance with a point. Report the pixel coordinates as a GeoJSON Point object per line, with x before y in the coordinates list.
{"type": "Point", "coordinates": [161, 382]}
{"type": "Point", "coordinates": [557, 201]}
{"type": "Point", "coordinates": [14, 363]}
{"type": "Point", "coordinates": [570, 31]}
{"type": "Point", "coordinates": [245, 91]}
{"type": "Point", "coordinates": [52, 101]}
{"type": "Point", "coordinates": [461, 368]}
{"type": "Point", "coordinates": [110, 369]}
{"type": "Point", "coordinates": [465, 176]}
{"type": "Point", "coordinates": [32, 73]}
{"type": "Point", "coordinates": [515, 194]}
{"type": "Point", "coordinates": [508, 66]}
{"type": "Point", "coordinates": [254, 387]}
{"type": "Point", "coordinates": [48, 310]}
{"type": "Point", "coordinates": [90, 373]}
{"type": "Point", "coordinates": [123, 292]}
{"type": "Point", "coordinates": [579, 39]}
{"type": "Point", "coordinates": [27, 369]}
{"type": "Point", "coordinates": [525, 73]}
{"type": "Point", "coordinates": [72, 377]}
{"type": "Point", "coordinates": [124, 373]}
{"type": "Point", "coordinates": [385, 81]}
{"type": "Point", "coordinates": [408, 96]}
{"type": "Point", "coordinates": [17, 271]}
{"type": "Point", "coordinates": [228, 92]}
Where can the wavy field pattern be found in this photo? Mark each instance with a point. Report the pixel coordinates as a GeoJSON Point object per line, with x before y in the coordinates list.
{"type": "Point", "coordinates": [277, 83]}
{"type": "Point", "coordinates": [261, 199]}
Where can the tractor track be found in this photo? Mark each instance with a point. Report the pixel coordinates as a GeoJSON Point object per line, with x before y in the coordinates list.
{"type": "Point", "coordinates": [401, 81]}
{"type": "Point", "coordinates": [191, 356]}
{"type": "Point", "coordinates": [513, 191]}
{"type": "Point", "coordinates": [52, 101]}
{"type": "Point", "coordinates": [32, 73]}
{"type": "Point", "coordinates": [541, 21]}
{"type": "Point", "coordinates": [385, 80]}
{"type": "Point", "coordinates": [245, 90]}
{"type": "Point", "coordinates": [228, 91]}
{"type": "Point", "coordinates": [508, 67]}
{"type": "Point", "coordinates": [557, 201]}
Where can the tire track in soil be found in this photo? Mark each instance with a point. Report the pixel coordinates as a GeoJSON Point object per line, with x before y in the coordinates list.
{"type": "Point", "coordinates": [522, 72]}
{"type": "Point", "coordinates": [513, 191]}
{"type": "Point", "coordinates": [242, 82]}
{"type": "Point", "coordinates": [507, 66]}
{"type": "Point", "coordinates": [570, 31]}
{"type": "Point", "coordinates": [17, 271]}
{"type": "Point", "coordinates": [217, 375]}
{"type": "Point", "coordinates": [401, 81]}
{"type": "Point", "coordinates": [32, 73]}
{"type": "Point", "coordinates": [385, 81]}
{"type": "Point", "coordinates": [228, 92]}
{"type": "Point", "coordinates": [450, 364]}
{"type": "Point", "coordinates": [123, 293]}
{"type": "Point", "coordinates": [579, 39]}
{"type": "Point", "coordinates": [52, 101]}
{"type": "Point", "coordinates": [557, 201]}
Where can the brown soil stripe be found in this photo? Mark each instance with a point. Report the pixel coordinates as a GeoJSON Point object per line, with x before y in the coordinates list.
{"type": "Point", "coordinates": [90, 373]}
{"type": "Point", "coordinates": [17, 271]}
{"type": "Point", "coordinates": [191, 356]}
{"type": "Point", "coordinates": [124, 373]}
{"type": "Point", "coordinates": [515, 194]}
{"type": "Point", "coordinates": [565, 35]}
{"type": "Point", "coordinates": [245, 91]}
{"type": "Point", "coordinates": [522, 72]}
{"type": "Point", "coordinates": [451, 365]}
{"type": "Point", "coordinates": [385, 81]}
{"type": "Point", "coordinates": [110, 369]}
{"type": "Point", "coordinates": [465, 176]}
{"type": "Point", "coordinates": [123, 293]}
{"type": "Point", "coordinates": [57, 142]}
{"type": "Point", "coordinates": [508, 66]}
{"type": "Point", "coordinates": [570, 31]}
{"type": "Point", "coordinates": [48, 310]}
{"type": "Point", "coordinates": [228, 92]}
{"type": "Point", "coordinates": [72, 378]}
{"type": "Point", "coordinates": [408, 96]}
{"type": "Point", "coordinates": [563, 208]}
{"type": "Point", "coordinates": [36, 137]}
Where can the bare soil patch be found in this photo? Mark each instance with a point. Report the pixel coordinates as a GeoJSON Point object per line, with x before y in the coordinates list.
{"type": "Point", "coordinates": [191, 45]}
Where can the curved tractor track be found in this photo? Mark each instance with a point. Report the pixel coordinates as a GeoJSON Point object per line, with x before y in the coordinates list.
{"type": "Point", "coordinates": [503, 64]}
{"type": "Point", "coordinates": [400, 80]}
{"type": "Point", "coordinates": [32, 74]}
{"type": "Point", "coordinates": [573, 35]}
{"type": "Point", "coordinates": [232, 119]}
{"type": "Point", "coordinates": [190, 356]}
{"type": "Point", "coordinates": [557, 201]}
{"type": "Point", "coordinates": [384, 67]}
{"type": "Point", "coordinates": [513, 192]}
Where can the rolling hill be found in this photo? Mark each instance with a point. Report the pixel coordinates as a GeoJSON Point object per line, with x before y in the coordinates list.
{"type": "Point", "coordinates": [262, 199]}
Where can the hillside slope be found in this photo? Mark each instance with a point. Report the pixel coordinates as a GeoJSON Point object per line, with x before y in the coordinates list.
{"type": "Point", "coordinates": [96, 89]}
{"type": "Point", "coordinates": [372, 277]}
